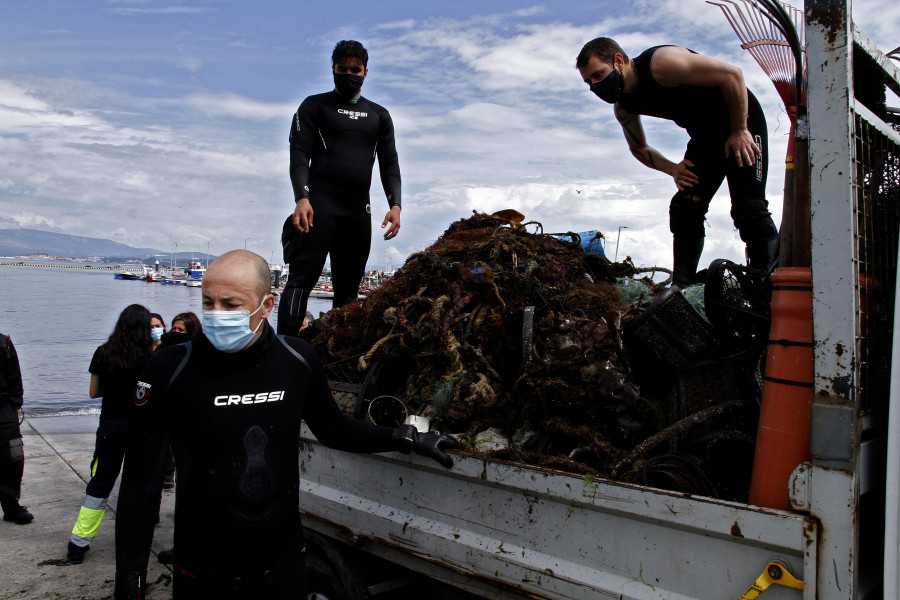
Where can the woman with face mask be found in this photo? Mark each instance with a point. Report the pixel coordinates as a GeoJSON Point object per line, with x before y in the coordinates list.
{"type": "Point", "coordinates": [114, 369]}
{"type": "Point", "coordinates": [184, 327]}
{"type": "Point", "coordinates": [157, 329]}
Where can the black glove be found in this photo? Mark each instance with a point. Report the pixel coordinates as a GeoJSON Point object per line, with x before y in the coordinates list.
{"type": "Point", "coordinates": [430, 444]}
{"type": "Point", "coordinates": [131, 585]}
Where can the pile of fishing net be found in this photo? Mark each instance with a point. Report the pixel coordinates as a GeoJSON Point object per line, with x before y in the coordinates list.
{"type": "Point", "coordinates": [516, 341]}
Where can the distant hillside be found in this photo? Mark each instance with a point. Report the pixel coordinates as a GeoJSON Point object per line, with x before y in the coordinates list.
{"type": "Point", "coordinates": [23, 242]}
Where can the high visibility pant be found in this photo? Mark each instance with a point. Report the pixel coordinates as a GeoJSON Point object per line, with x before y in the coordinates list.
{"type": "Point", "coordinates": [105, 467]}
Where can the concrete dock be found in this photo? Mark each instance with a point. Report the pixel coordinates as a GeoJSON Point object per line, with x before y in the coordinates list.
{"type": "Point", "coordinates": [33, 564]}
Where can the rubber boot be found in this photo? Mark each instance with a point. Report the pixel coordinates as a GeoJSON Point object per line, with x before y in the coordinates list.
{"type": "Point", "coordinates": [686, 253]}
{"type": "Point", "coordinates": [762, 254]}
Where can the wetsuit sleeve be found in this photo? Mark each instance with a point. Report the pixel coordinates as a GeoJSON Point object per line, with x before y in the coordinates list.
{"type": "Point", "coordinates": [332, 427]}
{"type": "Point", "coordinates": [302, 138]}
{"type": "Point", "coordinates": [388, 161]}
{"type": "Point", "coordinates": [145, 454]}
{"type": "Point", "coordinates": [12, 375]}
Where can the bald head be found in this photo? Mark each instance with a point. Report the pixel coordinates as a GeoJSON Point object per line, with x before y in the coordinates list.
{"type": "Point", "coordinates": [237, 281]}
{"type": "Point", "coordinates": [243, 270]}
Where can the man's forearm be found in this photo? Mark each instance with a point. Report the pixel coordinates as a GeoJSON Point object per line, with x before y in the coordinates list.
{"type": "Point", "coordinates": [637, 143]}
{"type": "Point", "coordinates": [653, 159]}
{"type": "Point", "coordinates": [299, 173]}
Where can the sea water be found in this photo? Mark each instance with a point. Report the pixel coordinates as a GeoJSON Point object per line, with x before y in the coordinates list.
{"type": "Point", "coordinates": [57, 316]}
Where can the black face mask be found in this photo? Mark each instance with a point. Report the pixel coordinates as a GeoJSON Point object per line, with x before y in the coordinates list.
{"type": "Point", "coordinates": [170, 338]}
{"type": "Point", "coordinates": [610, 87]}
{"type": "Point", "coordinates": [348, 85]}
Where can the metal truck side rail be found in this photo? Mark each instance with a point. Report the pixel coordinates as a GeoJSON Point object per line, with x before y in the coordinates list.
{"type": "Point", "coordinates": [507, 530]}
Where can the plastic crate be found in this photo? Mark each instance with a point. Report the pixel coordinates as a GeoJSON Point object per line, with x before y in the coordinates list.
{"type": "Point", "coordinates": [670, 333]}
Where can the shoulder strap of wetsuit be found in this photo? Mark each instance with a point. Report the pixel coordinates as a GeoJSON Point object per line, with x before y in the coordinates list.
{"type": "Point", "coordinates": [184, 360]}
{"type": "Point", "coordinates": [294, 352]}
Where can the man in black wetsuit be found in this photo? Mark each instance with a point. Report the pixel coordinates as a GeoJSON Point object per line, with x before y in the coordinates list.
{"type": "Point", "coordinates": [727, 128]}
{"type": "Point", "coordinates": [231, 402]}
{"type": "Point", "coordinates": [334, 139]}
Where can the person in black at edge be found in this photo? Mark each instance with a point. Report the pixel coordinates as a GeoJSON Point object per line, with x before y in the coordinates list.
{"type": "Point", "coordinates": [12, 454]}
{"type": "Point", "coordinates": [728, 139]}
{"type": "Point", "coordinates": [334, 139]}
{"type": "Point", "coordinates": [231, 401]}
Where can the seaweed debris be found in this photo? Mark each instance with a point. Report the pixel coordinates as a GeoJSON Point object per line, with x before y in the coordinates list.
{"type": "Point", "coordinates": [495, 328]}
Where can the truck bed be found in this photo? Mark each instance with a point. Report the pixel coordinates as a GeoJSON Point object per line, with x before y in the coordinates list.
{"type": "Point", "coordinates": [508, 530]}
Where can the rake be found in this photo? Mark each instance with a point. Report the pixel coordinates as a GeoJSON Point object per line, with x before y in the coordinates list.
{"type": "Point", "coordinates": [766, 42]}
{"type": "Point", "coordinates": [768, 29]}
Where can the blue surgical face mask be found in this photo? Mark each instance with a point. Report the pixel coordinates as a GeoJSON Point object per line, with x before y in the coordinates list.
{"type": "Point", "coordinates": [156, 333]}
{"type": "Point", "coordinates": [229, 330]}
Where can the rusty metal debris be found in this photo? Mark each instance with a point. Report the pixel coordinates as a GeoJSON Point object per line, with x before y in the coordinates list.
{"type": "Point", "coordinates": [497, 328]}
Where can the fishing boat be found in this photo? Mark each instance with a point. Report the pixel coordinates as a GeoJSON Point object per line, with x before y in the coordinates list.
{"type": "Point", "coordinates": [190, 276]}
{"type": "Point", "coordinates": [130, 276]}
{"type": "Point", "coordinates": [195, 270]}
{"type": "Point", "coordinates": [127, 275]}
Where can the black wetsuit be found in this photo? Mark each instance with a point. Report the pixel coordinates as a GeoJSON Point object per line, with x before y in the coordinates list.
{"type": "Point", "coordinates": [234, 424]}
{"type": "Point", "coordinates": [12, 455]}
{"type": "Point", "coordinates": [703, 112]}
{"type": "Point", "coordinates": [333, 147]}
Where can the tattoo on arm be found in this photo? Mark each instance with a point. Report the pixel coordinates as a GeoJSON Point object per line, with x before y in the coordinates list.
{"type": "Point", "coordinates": [644, 157]}
{"type": "Point", "coordinates": [631, 137]}
{"type": "Point", "coordinates": [634, 142]}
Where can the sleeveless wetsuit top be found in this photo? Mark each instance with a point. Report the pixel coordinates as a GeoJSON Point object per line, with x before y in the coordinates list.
{"type": "Point", "coordinates": [696, 109]}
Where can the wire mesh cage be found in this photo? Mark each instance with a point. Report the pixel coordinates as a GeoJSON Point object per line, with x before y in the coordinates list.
{"type": "Point", "coordinates": [876, 186]}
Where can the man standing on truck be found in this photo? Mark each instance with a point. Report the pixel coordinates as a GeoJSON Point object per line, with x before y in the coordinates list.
{"type": "Point", "coordinates": [231, 402]}
{"type": "Point", "coordinates": [334, 139]}
{"type": "Point", "coordinates": [728, 139]}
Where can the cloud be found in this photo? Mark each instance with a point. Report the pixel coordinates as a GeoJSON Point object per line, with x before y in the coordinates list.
{"type": "Point", "coordinates": [29, 220]}
{"type": "Point", "coordinates": [189, 63]}
{"type": "Point", "coordinates": [238, 107]}
{"type": "Point", "coordinates": [488, 109]}
{"type": "Point", "coordinates": [100, 175]}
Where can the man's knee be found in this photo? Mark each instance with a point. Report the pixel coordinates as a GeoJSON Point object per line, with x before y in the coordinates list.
{"type": "Point", "coordinates": [753, 220]}
{"type": "Point", "coordinates": [686, 215]}
{"type": "Point", "coordinates": [292, 308]}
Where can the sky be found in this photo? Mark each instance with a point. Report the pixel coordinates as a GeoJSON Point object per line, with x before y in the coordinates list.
{"type": "Point", "coordinates": [165, 124]}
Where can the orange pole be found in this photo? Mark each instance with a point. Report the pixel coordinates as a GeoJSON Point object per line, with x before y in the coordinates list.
{"type": "Point", "coordinates": [782, 440]}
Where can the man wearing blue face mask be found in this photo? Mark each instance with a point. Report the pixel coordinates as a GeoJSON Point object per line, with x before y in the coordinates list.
{"type": "Point", "coordinates": [334, 140]}
{"type": "Point", "coordinates": [231, 402]}
{"type": "Point", "coordinates": [728, 139]}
